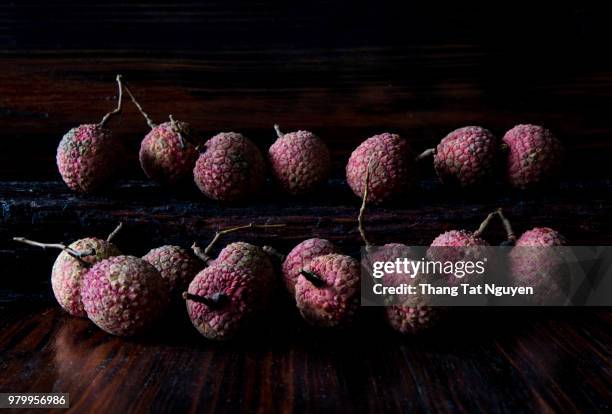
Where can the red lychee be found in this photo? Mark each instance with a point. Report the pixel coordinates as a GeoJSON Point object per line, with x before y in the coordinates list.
{"type": "Point", "coordinates": [412, 319]}
{"type": "Point", "coordinates": [392, 166]}
{"type": "Point", "coordinates": [176, 265]}
{"type": "Point", "coordinates": [300, 161]}
{"type": "Point", "coordinates": [124, 295]}
{"type": "Point", "coordinates": [89, 156]}
{"type": "Point", "coordinates": [534, 155]}
{"type": "Point", "coordinates": [466, 156]}
{"type": "Point", "coordinates": [230, 169]}
{"type": "Point", "coordinates": [165, 156]}
{"type": "Point", "coordinates": [300, 257]}
{"type": "Point", "coordinates": [327, 292]}
{"type": "Point", "coordinates": [221, 299]}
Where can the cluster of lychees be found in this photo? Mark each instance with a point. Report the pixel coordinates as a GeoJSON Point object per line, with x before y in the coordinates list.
{"type": "Point", "coordinates": [229, 167]}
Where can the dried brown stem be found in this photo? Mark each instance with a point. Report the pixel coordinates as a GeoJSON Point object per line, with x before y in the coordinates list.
{"type": "Point", "coordinates": [150, 122]}
{"type": "Point", "coordinates": [427, 153]}
{"type": "Point", "coordinates": [312, 278]}
{"type": "Point", "coordinates": [485, 223]}
{"type": "Point", "coordinates": [114, 233]}
{"type": "Point", "coordinates": [278, 131]}
{"type": "Point", "coordinates": [220, 233]}
{"type": "Point", "coordinates": [60, 246]}
{"type": "Point", "coordinates": [507, 226]}
{"type": "Point", "coordinates": [363, 204]}
{"type": "Point", "coordinates": [119, 101]}
{"type": "Point", "coordinates": [213, 301]}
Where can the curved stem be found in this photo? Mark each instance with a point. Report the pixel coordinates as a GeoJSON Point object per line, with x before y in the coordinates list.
{"type": "Point", "coordinates": [485, 223]}
{"type": "Point", "coordinates": [214, 301]}
{"type": "Point", "coordinates": [220, 233]}
{"type": "Point", "coordinates": [363, 204]}
{"type": "Point", "coordinates": [278, 131]}
{"type": "Point", "coordinates": [114, 232]}
{"type": "Point", "coordinates": [177, 129]}
{"type": "Point", "coordinates": [150, 123]}
{"type": "Point", "coordinates": [119, 101]}
{"type": "Point", "coordinates": [60, 246]}
{"type": "Point", "coordinates": [197, 250]}
{"type": "Point", "coordinates": [427, 153]}
{"type": "Point", "coordinates": [507, 226]}
{"type": "Point", "coordinates": [312, 278]}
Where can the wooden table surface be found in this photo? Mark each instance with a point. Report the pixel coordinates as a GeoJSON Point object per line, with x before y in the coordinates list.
{"type": "Point", "coordinates": [346, 72]}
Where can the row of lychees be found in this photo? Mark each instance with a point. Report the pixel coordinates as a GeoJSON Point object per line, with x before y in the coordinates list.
{"type": "Point", "coordinates": [126, 295]}
{"type": "Point", "coordinates": [229, 167]}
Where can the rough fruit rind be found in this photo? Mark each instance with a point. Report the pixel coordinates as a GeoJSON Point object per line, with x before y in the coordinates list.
{"type": "Point", "coordinates": [412, 319]}
{"type": "Point", "coordinates": [337, 300]}
{"type": "Point", "coordinates": [240, 288]}
{"type": "Point", "coordinates": [300, 257]}
{"type": "Point", "coordinates": [68, 272]}
{"type": "Point", "coordinates": [88, 157]}
{"type": "Point", "coordinates": [231, 168]}
{"type": "Point", "coordinates": [466, 156]}
{"type": "Point", "coordinates": [161, 156]}
{"type": "Point", "coordinates": [392, 170]}
{"type": "Point", "coordinates": [300, 161]}
{"type": "Point", "coordinates": [124, 295]}
{"type": "Point", "coordinates": [176, 265]}
{"type": "Point", "coordinates": [534, 155]}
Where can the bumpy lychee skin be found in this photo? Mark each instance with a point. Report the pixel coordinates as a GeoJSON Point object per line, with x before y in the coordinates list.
{"type": "Point", "coordinates": [412, 320]}
{"type": "Point", "coordinates": [124, 295]}
{"type": "Point", "coordinates": [300, 162]}
{"type": "Point", "coordinates": [68, 272]}
{"type": "Point", "coordinates": [301, 256]}
{"type": "Point", "coordinates": [466, 156]}
{"type": "Point", "coordinates": [392, 170]}
{"type": "Point", "coordinates": [534, 155]}
{"type": "Point", "coordinates": [162, 157]}
{"type": "Point", "coordinates": [333, 301]}
{"type": "Point", "coordinates": [88, 157]}
{"type": "Point", "coordinates": [231, 168]}
{"type": "Point", "coordinates": [458, 238]}
{"type": "Point", "coordinates": [176, 265]}
{"type": "Point", "coordinates": [541, 236]}
{"type": "Point", "coordinates": [237, 290]}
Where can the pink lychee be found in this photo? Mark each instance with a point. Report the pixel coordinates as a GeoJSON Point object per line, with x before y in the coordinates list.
{"type": "Point", "coordinates": [221, 299]}
{"type": "Point", "coordinates": [230, 169]}
{"type": "Point", "coordinates": [412, 319]}
{"type": "Point", "coordinates": [327, 292]}
{"type": "Point", "coordinates": [391, 164]}
{"type": "Point", "coordinates": [300, 161]}
{"type": "Point", "coordinates": [124, 295]}
{"type": "Point", "coordinates": [301, 256]}
{"type": "Point", "coordinates": [166, 157]}
{"type": "Point", "coordinates": [534, 155]}
{"type": "Point", "coordinates": [466, 156]}
{"type": "Point", "coordinates": [176, 265]}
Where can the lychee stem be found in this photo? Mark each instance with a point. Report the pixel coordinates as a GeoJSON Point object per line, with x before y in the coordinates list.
{"type": "Point", "coordinates": [271, 251]}
{"type": "Point", "coordinates": [197, 250]}
{"type": "Point", "coordinates": [485, 223]}
{"type": "Point", "coordinates": [176, 129]}
{"type": "Point", "coordinates": [278, 131]}
{"type": "Point", "coordinates": [427, 153]}
{"type": "Point", "coordinates": [312, 278]}
{"type": "Point", "coordinates": [363, 204]}
{"type": "Point", "coordinates": [507, 226]}
{"type": "Point", "coordinates": [72, 252]}
{"type": "Point", "coordinates": [114, 233]}
{"type": "Point", "coordinates": [213, 301]}
{"type": "Point", "coordinates": [150, 122]}
{"type": "Point", "coordinates": [220, 233]}
{"type": "Point", "coordinates": [119, 101]}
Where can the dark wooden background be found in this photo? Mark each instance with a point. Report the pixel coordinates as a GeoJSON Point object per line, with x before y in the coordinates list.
{"type": "Point", "coordinates": [344, 71]}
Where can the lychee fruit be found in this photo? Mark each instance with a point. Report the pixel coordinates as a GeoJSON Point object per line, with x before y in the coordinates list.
{"type": "Point", "coordinates": [230, 169]}
{"type": "Point", "coordinates": [413, 320]}
{"type": "Point", "coordinates": [392, 167]}
{"type": "Point", "coordinates": [89, 156]}
{"type": "Point", "coordinates": [466, 156]}
{"type": "Point", "coordinates": [124, 295]}
{"type": "Point", "coordinates": [71, 265]}
{"type": "Point", "coordinates": [534, 155]}
{"type": "Point", "coordinates": [301, 256]}
{"type": "Point", "coordinates": [221, 299]}
{"type": "Point", "coordinates": [300, 161]}
{"type": "Point", "coordinates": [327, 292]}
{"type": "Point", "coordinates": [176, 265]}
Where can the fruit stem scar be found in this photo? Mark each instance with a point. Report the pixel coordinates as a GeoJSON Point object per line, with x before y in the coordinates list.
{"type": "Point", "coordinates": [213, 301]}
{"type": "Point", "coordinates": [427, 153]}
{"type": "Point", "coordinates": [278, 131]}
{"type": "Point", "coordinates": [507, 226]}
{"type": "Point", "coordinates": [72, 252]}
{"type": "Point", "coordinates": [312, 278]}
{"type": "Point", "coordinates": [485, 223]}
{"type": "Point", "coordinates": [150, 122]}
{"type": "Point", "coordinates": [119, 101]}
{"type": "Point", "coordinates": [114, 233]}
{"type": "Point", "coordinates": [363, 204]}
